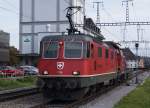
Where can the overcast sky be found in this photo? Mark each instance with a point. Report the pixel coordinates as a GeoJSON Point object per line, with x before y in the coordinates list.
{"type": "Point", "coordinates": [113, 11]}
{"type": "Point", "coordinates": [9, 19]}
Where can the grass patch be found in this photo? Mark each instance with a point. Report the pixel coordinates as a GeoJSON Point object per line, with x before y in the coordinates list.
{"type": "Point", "coordinates": [139, 98]}
{"type": "Point", "coordinates": [6, 84]}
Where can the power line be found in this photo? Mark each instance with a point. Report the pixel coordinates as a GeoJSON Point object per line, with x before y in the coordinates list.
{"type": "Point", "coordinates": [124, 32]}
{"type": "Point", "coordinates": [13, 11]}
{"type": "Point", "coordinates": [142, 33]}
{"type": "Point", "coordinates": [67, 2]}
{"type": "Point", "coordinates": [110, 32]}
{"type": "Point", "coordinates": [134, 12]}
{"type": "Point", "coordinates": [9, 3]}
{"type": "Point", "coordinates": [108, 14]}
{"type": "Point", "coordinates": [8, 10]}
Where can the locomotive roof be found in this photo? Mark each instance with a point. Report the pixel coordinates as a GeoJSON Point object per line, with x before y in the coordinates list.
{"type": "Point", "coordinates": [112, 44]}
{"type": "Point", "coordinates": [80, 37]}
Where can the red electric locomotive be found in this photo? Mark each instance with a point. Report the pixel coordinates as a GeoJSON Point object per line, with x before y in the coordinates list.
{"type": "Point", "coordinates": [72, 65]}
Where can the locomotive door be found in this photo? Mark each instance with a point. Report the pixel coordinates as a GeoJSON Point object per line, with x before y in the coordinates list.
{"type": "Point", "coordinates": [118, 61]}
{"type": "Point", "coordinates": [93, 59]}
{"type": "Point", "coordinates": [107, 58]}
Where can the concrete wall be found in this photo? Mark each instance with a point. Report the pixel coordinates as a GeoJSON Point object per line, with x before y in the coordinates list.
{"type": "Point", "coordinates": [44, 16]}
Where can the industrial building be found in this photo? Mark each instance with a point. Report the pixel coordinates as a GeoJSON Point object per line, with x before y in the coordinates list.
{"type": "Point", "coordinates": [39, 18]}
{"type": "Point", "coordinates": [4, 47]}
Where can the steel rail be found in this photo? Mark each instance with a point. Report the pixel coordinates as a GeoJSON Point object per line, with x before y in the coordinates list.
{"type": "Point", "coordinates": [99, 93]}
{"type": "Point", "coordinates": [85, 100]}
{"type": "Point", "coordinates": [16, 93]}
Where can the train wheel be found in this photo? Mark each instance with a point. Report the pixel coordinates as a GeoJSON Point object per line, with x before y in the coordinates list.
{"type": "Point", "coordinates": [46, 93]}
{"type": "Point", "coordinates": [112, 82]}
{"type": "Point", "coordinates": [65, 95]}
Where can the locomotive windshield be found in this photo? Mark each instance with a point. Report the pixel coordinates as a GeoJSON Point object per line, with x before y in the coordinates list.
{"type": "Point", "coordinates": [50, 50]}
{"type": "Point", "coordinates": [73, 49]}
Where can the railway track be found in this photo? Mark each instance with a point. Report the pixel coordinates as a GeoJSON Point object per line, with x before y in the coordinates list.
{"type": "Point", "coordinates": [16, 93]}
{"type": "Point", "coordinates": [75, 104]}
{"type": "Point", "coordinates": [99, 93]}
{"type": "Point", "coordinates": [14, 78]}
{"type": "Point", "coordinates": [44, 103]}
{"type": "Point", "coordinates": [85, 100]}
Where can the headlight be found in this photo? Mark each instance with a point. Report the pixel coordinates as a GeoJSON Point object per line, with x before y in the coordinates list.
{"type": "Point", "coordinates": [1, 73]}
{"type": "Point", "coordinates": [76, 73]}
{"type": "Point", "coordinates": [45, 72]}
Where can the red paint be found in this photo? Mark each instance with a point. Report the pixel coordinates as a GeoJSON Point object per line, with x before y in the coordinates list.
{"type": "Point", "coordinates": [90, 66]}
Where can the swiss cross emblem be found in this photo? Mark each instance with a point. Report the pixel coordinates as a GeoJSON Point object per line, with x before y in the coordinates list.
{"type": "Point", "coordinates": [60, 65]}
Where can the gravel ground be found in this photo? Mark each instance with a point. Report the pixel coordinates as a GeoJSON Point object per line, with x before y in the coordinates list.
{"type": "Point", "coordinates": [109, 99]}
{"type": "Point", "coordinates": [25, 102]}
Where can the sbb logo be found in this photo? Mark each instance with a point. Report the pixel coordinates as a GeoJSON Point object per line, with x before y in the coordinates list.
{"type": "Point", "coordinates": [60, 65]}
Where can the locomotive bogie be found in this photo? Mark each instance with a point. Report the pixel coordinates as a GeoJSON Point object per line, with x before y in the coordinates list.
{"type": "Point", "coordinates": [74, 82]}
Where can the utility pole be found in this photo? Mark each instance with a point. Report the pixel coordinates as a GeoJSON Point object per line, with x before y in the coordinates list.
{"type": "Point", "coordinates": [138, 39]}
{"type": "Point", "coordinates": [124, 32]}
{"type": "Point", "coordinates": [137, 50]}
{"type": "Point", "coordinates": [137, 60]}
{"type": "Point", "coordinates": [127, 16]}
{"type": "Point", "coordinates": [98, 4]}
{"type": "Point", "coordinates": [138, 33]}
{"type": "Point", "coordinates": [142, 32]}
{"type": "Point", "coordinates": [127, 8]}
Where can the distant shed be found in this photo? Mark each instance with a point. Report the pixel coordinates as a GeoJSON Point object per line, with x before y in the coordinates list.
{"type": "Point", "coordinates": [131, 59]}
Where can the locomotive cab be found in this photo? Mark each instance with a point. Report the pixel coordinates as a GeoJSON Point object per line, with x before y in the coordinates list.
{"type": "Point", "coordinates": [65, 65]}
{"type": "Point", "coordinates": [64, 58]}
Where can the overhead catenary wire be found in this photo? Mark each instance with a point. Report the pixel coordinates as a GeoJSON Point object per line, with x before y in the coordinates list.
{"type": "Point", "coordinates": [134, 12]}
{"type": "Point", "coordinates": [88, 16]}
{"type": "Point", "coordinates": [108, 14]}
{"type": "Point", "coordinates": [8, 10]}
{"type": "Point", "coordinates": [13, 11]}
{"type": "Point", "coordinates": [67, 2]}
{"type": "Point", "coordinates": [10, 4]}
{"type": "Point", "coordinates": [112, 34]}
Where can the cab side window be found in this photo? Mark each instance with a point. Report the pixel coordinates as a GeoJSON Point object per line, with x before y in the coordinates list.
{"type": "Point", "coordinates": [92, 50]}
{"type": "Point", "coordinates": [86, 50]}
{"type": "Point", "coordinates": [112, 55]}
{"type": "Point", "coordinates": [106, 53]}
{"type": "Point", "coordinates": [99, 52]}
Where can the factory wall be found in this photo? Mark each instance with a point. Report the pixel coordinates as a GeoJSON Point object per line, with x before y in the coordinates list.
{"type": "Point", "coordinates": [38, 16]}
